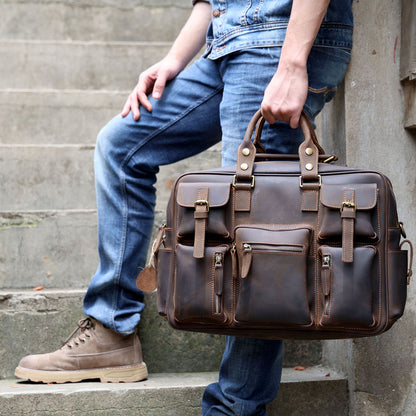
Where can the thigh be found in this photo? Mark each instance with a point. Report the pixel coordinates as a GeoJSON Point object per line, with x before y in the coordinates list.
{"type": "Point", "coordinates": [185, 121]}
{"type": "Point", "coordinates": [326, 70]}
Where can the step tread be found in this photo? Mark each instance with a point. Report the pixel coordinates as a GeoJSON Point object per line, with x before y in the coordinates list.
{"type": "Point", "coordinates": [159, 381]}
{"type": "Point", "coordinates": [170, 394]}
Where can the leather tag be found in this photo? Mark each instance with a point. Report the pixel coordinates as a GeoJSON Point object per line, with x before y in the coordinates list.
{"type": "Point", "coordinates": [147, 279]}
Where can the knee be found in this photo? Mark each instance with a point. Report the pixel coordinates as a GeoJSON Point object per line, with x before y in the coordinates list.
{"type": "Point", "coordinates": [111, 142]}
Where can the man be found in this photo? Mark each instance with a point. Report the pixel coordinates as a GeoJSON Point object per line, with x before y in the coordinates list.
{"type": "Point", "coordinates": [280, 55]}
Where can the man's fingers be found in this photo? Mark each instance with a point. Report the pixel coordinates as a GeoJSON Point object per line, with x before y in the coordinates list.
{"type": "Point", "coordinates": [159, 86]}
{"type": "Point", "coordinates": [134, 105]}
{"type": "Point", "coordinates": [294, 121]}
{"type": "Point", "coordinates": [126, 108]}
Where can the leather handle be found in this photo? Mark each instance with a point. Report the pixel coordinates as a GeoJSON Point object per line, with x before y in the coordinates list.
{"type": "Point", "coordinates": [309, 150]}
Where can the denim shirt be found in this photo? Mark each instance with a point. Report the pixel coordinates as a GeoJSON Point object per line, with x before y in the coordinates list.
{"type": "Point", "coordinates": [242, 24]}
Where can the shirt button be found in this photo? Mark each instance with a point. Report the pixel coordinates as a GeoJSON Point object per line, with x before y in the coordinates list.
{"type": "Point", "coordinates": [216, 13]}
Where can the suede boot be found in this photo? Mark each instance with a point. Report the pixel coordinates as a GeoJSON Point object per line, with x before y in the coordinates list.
{"type": "Point", "coordinates": [95, 352]}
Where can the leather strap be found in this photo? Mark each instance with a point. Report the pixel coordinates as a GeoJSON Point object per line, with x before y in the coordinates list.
{"type": "Point", "coordinates": [201, 216]}
{"type": "Point", "coordinates": [309, 152]}
{"type": "Point", "coordinates": [242, 197]}
{"type": "Point", "coordinates": [348, 214]}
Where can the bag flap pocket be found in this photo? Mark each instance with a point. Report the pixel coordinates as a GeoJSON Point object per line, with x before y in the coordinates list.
{"type": "Point", "coordinates": [334, 196]}
{"type": "Point", "coordinates": [189, 193]}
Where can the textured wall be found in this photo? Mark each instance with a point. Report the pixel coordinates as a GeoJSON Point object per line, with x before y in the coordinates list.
{"type": "Point", "coordinates": [382, 369]}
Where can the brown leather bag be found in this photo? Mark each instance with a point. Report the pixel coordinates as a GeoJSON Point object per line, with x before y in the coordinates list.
{"type": "Point", "coordinates": [282, 247]}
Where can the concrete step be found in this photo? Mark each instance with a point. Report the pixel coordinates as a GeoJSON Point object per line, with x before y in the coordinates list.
{"type": "Point", "coordinates": [54, 249]}
{"type": "Point", "coordinates": [91, 65]}
{"type": "Point", "coordinates": [45, 177]}
{"type": "Point", "coordinates": [127, 20]}
{"type": "Point", "coordinates": [56, 116]}
{"type": "Point", "coordinates": [316, 391]}
{"type": "Point", "coordinates": [33, 322]}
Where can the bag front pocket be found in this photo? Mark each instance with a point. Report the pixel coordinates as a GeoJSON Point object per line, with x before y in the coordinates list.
{"type": "Point", "coordinates": [348, 288]}
{"type": "Point", "coordinates": [397, 283]}
{"type": "Point", "coordinates": [163, 277]}
{"type": "Point", "coordinates": [361, 199]}
{"type": "Point", "coordinates": [272, 275]}
{"type": "Point", "coordinates": [214, 199]}
{"type": "Point", "coordinates": [199, 284]}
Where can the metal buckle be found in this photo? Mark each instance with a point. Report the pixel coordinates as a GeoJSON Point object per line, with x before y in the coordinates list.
{"type": "Point", "coordinates": [201, 202]}
{"type": "Point", "coordinates": [403, 232]}
{"type": "Point", "coordinates": [301, 181]}
{"type": "Point", "coordinates": [235, 177]}
{"type": "Point", "coordinates": [348, 204]}
{"type": "Point", "coordinates": [329, 159]}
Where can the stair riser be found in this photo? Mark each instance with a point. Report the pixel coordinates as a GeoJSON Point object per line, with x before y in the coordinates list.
{"type": "Point", "coordinates": [56, 117]}
{"type": "Point", "coordinates": [44, 178]}
{"type": "Point", "coordinates": [37, 322]}
{"type": "Point", "coordinates": [55, 249]}
{"type": "Point", "coordinates": [82, 65]}
{"type": "Point", "coordinates": [87, 20]}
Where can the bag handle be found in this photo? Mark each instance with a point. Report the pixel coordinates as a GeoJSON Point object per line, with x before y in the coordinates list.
{"type": "Point", "coordinates": [309, 150]}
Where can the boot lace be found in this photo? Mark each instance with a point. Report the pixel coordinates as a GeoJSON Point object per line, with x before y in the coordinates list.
{"type": "Point", "coordinates": [84, 325]}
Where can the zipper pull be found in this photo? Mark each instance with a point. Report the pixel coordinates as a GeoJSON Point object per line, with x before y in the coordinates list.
{"type": "Point", "coordinates": [219, 280]}
{"type": "Point", "coordinates": [234, 266]}
{"type": "Point", "coordinates": [247, 258]}
{"type": "Point", "coordinates": [326, 280]}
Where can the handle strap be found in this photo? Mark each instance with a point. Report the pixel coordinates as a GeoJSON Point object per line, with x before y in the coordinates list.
{"type": "Point", "coordinates": [309, 150]}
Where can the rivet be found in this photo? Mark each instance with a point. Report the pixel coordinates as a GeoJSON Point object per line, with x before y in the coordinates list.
{"type": "Point", "coordinates": [216, 13]}
{"type": "Point", "coordinates": [244, 166]}
{"type": "Point", "coordinates": [309, 151]}
{"type": "Point", "coordinates": [309, 166]}
{"type": "Point", "coordinates": [245, 151]}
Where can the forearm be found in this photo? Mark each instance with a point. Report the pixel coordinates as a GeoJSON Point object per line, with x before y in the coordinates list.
{"type": "Point", "coordinates": [286, 94]}
{"type": "Point", "coordinates": [192, 36]}
{"type": "Point", "coordinates": [304, 23]}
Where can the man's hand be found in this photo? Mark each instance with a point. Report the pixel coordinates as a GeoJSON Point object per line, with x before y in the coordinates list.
{"type": "Point", "coordinates": [285, 96]}
{"type": "Point", "coordinates": [152, 81]}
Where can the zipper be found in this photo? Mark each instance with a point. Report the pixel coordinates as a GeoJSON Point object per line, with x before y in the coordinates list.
{"type": "Point", "coordinates": [219, 280]}
{"type": "Point", "coordinates": [273, 247]}
{"type": "Point", "coordinates": [248, 248]}
{"type": "Point", "coordinates": [326, 280]}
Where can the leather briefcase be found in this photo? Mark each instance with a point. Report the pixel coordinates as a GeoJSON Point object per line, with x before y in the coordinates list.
{"type": "Point", "coordinates": [282, 247]}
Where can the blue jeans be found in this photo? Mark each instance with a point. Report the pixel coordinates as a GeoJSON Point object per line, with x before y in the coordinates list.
{"type": "Point", "coordinates": [208, 102]}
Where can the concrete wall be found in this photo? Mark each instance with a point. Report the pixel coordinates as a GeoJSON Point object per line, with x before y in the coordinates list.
{"type": "Point", "coordinates": [382, 370]}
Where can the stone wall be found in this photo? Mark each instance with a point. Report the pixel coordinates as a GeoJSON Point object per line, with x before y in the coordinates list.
{"type": "Point", "coordinates": [382, 370]}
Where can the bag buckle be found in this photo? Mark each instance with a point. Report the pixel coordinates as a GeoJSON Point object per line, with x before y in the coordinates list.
{"type": "Point", "coordinates": [301, 181]}
{"type": "Point", "coordinates": [235, 177]}
{"type": "Point", "coordinates": [202, 202]}
{"type": "Point", "coordinates": [348, 204]}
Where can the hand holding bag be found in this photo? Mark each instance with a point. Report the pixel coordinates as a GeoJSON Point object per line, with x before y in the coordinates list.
{"type": "Point", "coordinates": [282, 247]}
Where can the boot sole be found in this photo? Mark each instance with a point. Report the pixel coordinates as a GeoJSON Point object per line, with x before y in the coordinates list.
{"type": "Point", "coordinates": [127, 374]}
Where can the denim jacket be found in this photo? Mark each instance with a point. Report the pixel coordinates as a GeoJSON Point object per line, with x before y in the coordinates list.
{"type": "Point", "coordinates": [242, 24]}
